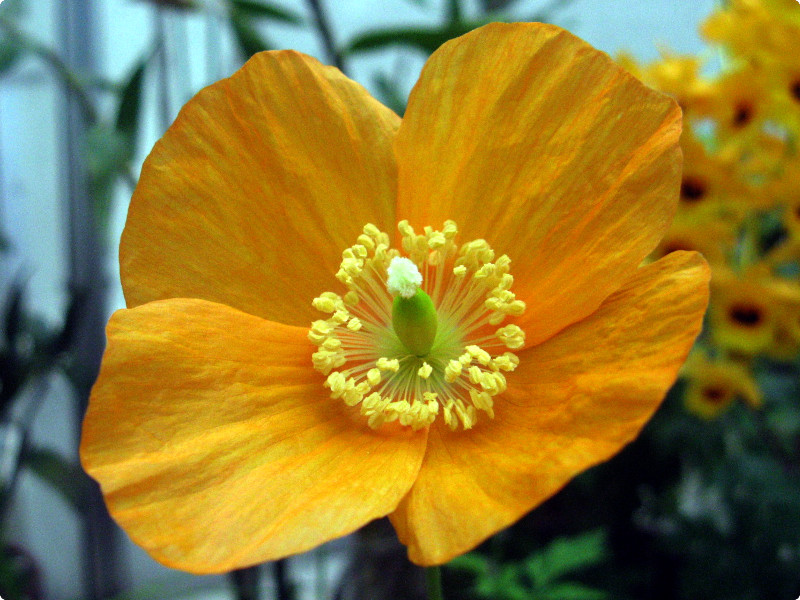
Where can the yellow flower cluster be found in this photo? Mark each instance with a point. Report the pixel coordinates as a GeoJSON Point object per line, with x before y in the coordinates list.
{"type": "Point", "coordinates": [740, 193]}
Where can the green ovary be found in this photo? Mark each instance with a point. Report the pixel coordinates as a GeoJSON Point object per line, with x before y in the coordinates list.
{"type": "Point", "coordinates": [415, 323]}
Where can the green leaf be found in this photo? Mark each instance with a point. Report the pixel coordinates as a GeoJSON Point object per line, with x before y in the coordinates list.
{"type": "Point", "coordinates": [13, 318]}
{"type": "Point", "coordinates": [566, 555]}
{"type": "Point", "coordinates": [454, 11]}
{"type": "Point", "coordinates": [108, 152]}
{"type": "Point", "coordinates": [130, 101]}
{"type": "Point", "coordinates": [64, 477]}
{"type": "Point", "coordinates": [572, 591]}
{"type": "Point", "coordinates": [10, 53]}
{"type": "Point", "coordinates": [12, 8]}
{"type": "Point", "coordinates": [11, 50]}
{"type": "Point", "coordinates": [472, 562]}
{"type": "Point", "coordinates": [495, 5]}
{"type": "Point", "coordinates": [249, 40]}
{"type": "Point", "coordinates": [504, 584]}
{"type": "Point", "coordinates": [423, 39]}
{"type": "Point", "coordinates": [176, 4]}
{"type": "Point", "coordinates": [389, 93]}
{"type": "Point", "coordinates": [257, 8]}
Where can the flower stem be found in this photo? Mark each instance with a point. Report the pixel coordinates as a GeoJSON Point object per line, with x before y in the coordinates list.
{"type": "Point", "coordinates": [324, 29]}
{"type": "Point", "coordinates": [433, 583]}
{"type": "Point", "coordinates": [245, 583]}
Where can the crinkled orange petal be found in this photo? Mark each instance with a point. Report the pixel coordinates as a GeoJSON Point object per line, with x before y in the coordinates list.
{"type": "Point", "coordinates": [217, 447]}
{"type": "Point", "coordinates": [254, 191]}
{"type": "Point", "coordinates": [528, 137]}
{"type": "Point", "coordinates": [574, 401]}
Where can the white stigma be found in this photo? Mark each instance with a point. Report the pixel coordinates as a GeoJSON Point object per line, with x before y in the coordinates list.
{"type": "Point", "coordinates": [404, 277]}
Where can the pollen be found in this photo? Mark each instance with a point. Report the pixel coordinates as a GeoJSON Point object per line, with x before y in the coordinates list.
{"type": "Point", "coordinates": [366, 356]}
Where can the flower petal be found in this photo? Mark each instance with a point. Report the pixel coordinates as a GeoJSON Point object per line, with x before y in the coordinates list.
{"type": "Point", "coordinates": [217, 447]}
{"type": "Point", "coordinates": [261, 182]}
{"type": "Point", "coordinates": [573, 402]}
{"type": "Point", "coordinates": [528, 137]}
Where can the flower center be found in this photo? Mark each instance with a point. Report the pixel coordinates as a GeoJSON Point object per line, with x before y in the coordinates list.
{"type": "Point", "coordinates": [715, 394]}
{"type": "Point", "coordinates": [692, 189]}
{"type": "Point", "coordinates": [745, 315]}
{"type": "Point", "coordinates": [742, 114]}
{"type": "Point", "coordinates": [413, 314]}
{"type": "Point", "coordinates": [419, 336]}
{"type": "Point", "coordinates": [794, 89]}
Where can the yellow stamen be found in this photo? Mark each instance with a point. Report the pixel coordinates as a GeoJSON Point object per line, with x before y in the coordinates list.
{"type": "Point", "coordinates": [425, 370]}
{"type": "Point", "coordinates": [391, 375]}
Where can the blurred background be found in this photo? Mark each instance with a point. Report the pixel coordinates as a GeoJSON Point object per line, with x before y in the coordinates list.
{"type": "Point", "coordinates": [705, 504]}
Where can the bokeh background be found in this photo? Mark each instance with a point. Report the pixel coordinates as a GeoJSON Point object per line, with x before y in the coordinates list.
{"type": "Point", "coordinates": [705, 504]}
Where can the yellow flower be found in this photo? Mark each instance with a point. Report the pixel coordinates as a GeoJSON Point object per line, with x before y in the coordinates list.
{"type": "Point", "coordinates": [785, 189]}
{"type": "Point", "coordinates": [713, 239]}
{"type": "Point", "coordinates": [785, 295]}
{"type": "Point", "coordinates": [712, 189]}
{"type": "Point", "coordinates": [268, 206]}
{"type": "Point", "coordinates": [759, 30]}
{"type": "Point", "coordinates": [714, 385]}
{"type": "Point", "coordinates": [753, 312]}
{"type": "Point", "coordinates": [676, 75]}
{"type": "Point", "coordinates": [741, 103]}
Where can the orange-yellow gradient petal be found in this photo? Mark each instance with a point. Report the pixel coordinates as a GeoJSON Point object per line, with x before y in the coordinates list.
{"type": "Point", "coordinates": [530, 138]}
{"type": "Point", "coordinates": [573, 402]}
{"type": "Point", "coordinates": [262, 180]}
{"type": "Point", "coordinates": [217, 447]}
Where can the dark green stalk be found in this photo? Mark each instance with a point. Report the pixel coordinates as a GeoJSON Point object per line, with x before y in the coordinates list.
{"type": "Point", "coordinates": [433, 583]}
{"type": "Point", "coordinates": [66, 75]}
{"type": "Point", "coordinates": [323, 26]}
{"type": "Point", "coordinates": [165, 103]}
{"type": "Point", "coordinates": [245, 583]}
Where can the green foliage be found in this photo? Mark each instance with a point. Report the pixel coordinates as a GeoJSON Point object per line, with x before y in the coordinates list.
{"type": "Point", "coordinates": [389, 93]}
{"type": "Point", "coordinates": [265, 10]}
{"type": "Point", "coordinates": [244, 16]}
{"type": "Point", "coordinates": [420, 38]}
{"type": "Point", "coordinates": [10, 53]}
{"type": "Point", "coordinates": [27, 345]}
{"type": "Point", "coordinates": [543, 575]}
{"type": "Point", "coordinates": [454, 12]}
{"type": "Point", "coordinates": [108, 153]}
{"type": "Point", "coordinates": [248, 38]}
{"type": "Point", "coordinates": [496, 5]}
{"type": "Point", "coordinates": [130, 101]}
{"type": "Point", "coordinates": [428, 39]}
{"type": "Point", "coordinates": [62, 476]}
{"type": "Point", "coordinates": [10, 50]}
{"type": "Point", "coordinates": [30, 350]}
{"type": "Point", "coordinates": [18, 575]}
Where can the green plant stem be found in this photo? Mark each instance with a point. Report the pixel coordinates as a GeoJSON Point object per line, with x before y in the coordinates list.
{"type": "Point", "coordinates": [67, 77]}
{"type": "Point", "coordinates": [433, 583]}
{"type": "Point", "coordinates": [245, 583]}
{"type": "Point", "coordinates": [324, 28]}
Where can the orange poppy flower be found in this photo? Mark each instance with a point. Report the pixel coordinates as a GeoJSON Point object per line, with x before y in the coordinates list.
{"type": "Point", "coordinates": [216, 434]}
